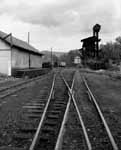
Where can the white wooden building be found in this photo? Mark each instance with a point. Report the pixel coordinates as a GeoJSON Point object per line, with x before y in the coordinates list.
{"type": "Point", "coordinates": [77, 60]}
{"type": "Point", "coordinates": [17, 54]}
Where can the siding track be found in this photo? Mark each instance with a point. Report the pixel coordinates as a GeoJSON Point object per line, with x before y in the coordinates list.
{"type": "Point", "coordinates": [107, 129]}
{"type": "Point", "coordinates": [95, 128]}
{"type": "Point", "coordinates": [98, 131]}
{"type": "Point", "coordinates": [49, 129]}
{"type": "Point", "coordinates": [19, 85]}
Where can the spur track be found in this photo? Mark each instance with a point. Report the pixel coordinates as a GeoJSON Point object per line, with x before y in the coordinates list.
{"type": "Point", "coordinates": [11, 88]}
{"type": "Point", "coordinates": [110, 139]}
{"type": "Point", "coordinates": [98, 131]}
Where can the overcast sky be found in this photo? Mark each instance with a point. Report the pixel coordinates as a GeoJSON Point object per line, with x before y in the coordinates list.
{"type": "Point", "coordinates": [60, 24]}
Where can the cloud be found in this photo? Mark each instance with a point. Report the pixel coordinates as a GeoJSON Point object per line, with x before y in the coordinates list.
{"type": "Point", "coordinates": [48, 15]}
{"type": "Point", "coordinates": [62, 19]}
{"type": "Point", "coordinates": [60, 16]}
{"type": "Point", "coordinates": [69, 16]}
{"type": "Point", "coordinates": [55, 13]}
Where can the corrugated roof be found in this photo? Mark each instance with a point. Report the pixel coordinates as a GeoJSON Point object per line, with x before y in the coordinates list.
{"type": "Point", "coordinates": [19, 43]}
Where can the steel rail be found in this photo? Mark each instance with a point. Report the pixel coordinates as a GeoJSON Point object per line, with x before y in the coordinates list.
{"type": "Point", "coordinates": [20, 83]}
{"type": "Point", "coordinates": [20, 86]}
{"type": "Point", "coordinates": [80, 117]}
{"type": "Point", "coordinates": [114, 145]}
{"type": "Point", "coordinates": [34, 141]}
{"type": "Point", "coordinates": [61, 132]}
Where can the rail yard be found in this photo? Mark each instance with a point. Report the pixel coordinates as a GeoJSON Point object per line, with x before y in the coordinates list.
{"type": "Point", "coordinates": [60, 75]}
{"type": "Point", "coordinates": [65, 109]}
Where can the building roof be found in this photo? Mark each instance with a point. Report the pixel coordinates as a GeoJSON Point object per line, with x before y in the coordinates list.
{"type": "Point", "coordinates": [19, 43]}
{"type": "Point", "coordinates": [90, 39]}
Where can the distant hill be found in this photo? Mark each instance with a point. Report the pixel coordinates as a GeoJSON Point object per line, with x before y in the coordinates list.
{"type": "Point", "coordinates": [61, 56]}
{"type": "Point", "coordinates": [47, 55]}
{"type": "Point", "coordinates": [57, 54]}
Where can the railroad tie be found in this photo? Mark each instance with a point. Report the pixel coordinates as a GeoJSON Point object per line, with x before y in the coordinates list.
{"type": "Point", "coordinates": [50, 123]}
{"type": "Point", "coordinates": [51, 116]}
{"type": "Point", "coordinates": [33, 115]}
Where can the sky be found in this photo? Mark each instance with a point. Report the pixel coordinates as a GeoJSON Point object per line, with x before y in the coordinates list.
{"type": "Point", "coordinates": [60, 24]}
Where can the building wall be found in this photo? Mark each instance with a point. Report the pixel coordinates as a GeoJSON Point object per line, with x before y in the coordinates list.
{"type": "Point", "coordinates": [4, 46]}
{"type": "Point", "coordinates": [16, 59]}
{"type": "Point", "coordinates": [20, 59]}
{"type": "Point", "coordinates": [36, 61]}
{"type": "Point", "coordinates": [5, 58]}
{"type": "Point", "coordinates": [5, 62]}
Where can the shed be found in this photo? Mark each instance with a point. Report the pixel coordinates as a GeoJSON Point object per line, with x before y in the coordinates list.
{"type": "Point", "coordinates": [17, 54]}
{"type": "Point", "coordinates": [77, 60]}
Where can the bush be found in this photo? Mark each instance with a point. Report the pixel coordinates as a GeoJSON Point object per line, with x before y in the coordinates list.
{"type": "Point", "coordinates": [96, 64]}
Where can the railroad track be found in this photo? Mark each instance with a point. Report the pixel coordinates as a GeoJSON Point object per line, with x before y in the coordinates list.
{"type": "Point", "coordinates": [15, 87]}
{"type": "Point", "coordinates": [46, 118]}
{"type": "Point", "coordinates": [45, 128]}
{"type": "Point", "coordinates": [49, 132]}
{"type": "Point", "coordinates": [96, 130]}
{"type": "Point", "coordinates": [110, 142]}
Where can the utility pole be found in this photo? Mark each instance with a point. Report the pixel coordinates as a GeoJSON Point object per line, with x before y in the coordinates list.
{"type": "Point", "coordinates": [29, 53]}
{"type": "Point", "coordinates": [28, 37]}
{"type": "Point", "coordinates": [51, 58]}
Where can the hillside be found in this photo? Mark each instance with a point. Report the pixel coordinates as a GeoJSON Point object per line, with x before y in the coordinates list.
{"type": "Point", "coordinates": [57, 54]}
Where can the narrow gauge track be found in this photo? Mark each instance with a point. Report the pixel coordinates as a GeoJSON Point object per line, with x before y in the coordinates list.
{"type": "Point", "coordinates": [49, 132]}
{"type": "Point", "coordinates": [98, 131]}
{"type": "Point", "coordinates": [49, 129]}
{"type": "Point", "coordinates": [82, 125]}
{"type": "Point", "coordinates": [103, 121]}
{"type": "Point", "coordinates": [14, 87]}
{"type": "Point", "coordinates": [43, 128]}
{"type": "Point", "coordinates": [52, 117]}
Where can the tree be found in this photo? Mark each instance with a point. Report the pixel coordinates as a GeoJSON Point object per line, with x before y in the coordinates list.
{"type": "Point", "coordinates": [112, 50]}
{"type": "Point", "coordinates": [118, 40]}
{"type": "Point", "coordinates": [107, 50]}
